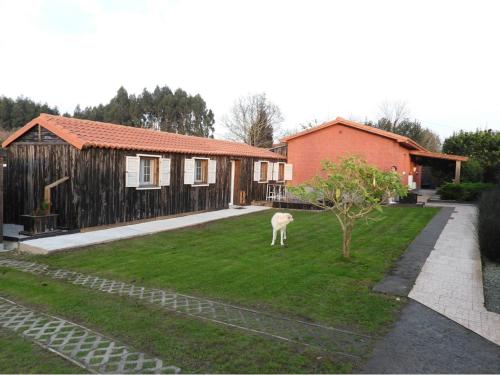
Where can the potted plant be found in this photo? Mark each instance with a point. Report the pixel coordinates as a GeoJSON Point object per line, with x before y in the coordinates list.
{"type": "Point", "coordinates": [40, 221]}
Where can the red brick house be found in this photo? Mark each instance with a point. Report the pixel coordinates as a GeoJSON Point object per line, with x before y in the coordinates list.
{"type": "Point", "coordinates": [332, 140]}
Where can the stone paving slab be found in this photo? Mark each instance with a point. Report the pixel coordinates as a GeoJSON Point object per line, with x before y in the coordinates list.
{"type": "Point", "coordinates": [333, 340]}
{"type": "Point", "coordinates": [82, 346]}
{"type": "Point", "coordinates": [451, 280]}
{"type": "Point", "coordinates": [70, 241]}
{"type": "Point", "coordinates": [401, 278]}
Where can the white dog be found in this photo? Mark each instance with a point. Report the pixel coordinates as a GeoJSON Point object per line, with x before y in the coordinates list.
{"type": "Point", "coordinates": [279, 222]}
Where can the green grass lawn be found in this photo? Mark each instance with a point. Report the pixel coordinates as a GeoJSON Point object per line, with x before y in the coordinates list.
{"type": "Point", "coordinates": [19, 355]}
{"type": "Point", "coordinates": [232, 260]}
{"type": "Point", "coordinates": [194, 345]}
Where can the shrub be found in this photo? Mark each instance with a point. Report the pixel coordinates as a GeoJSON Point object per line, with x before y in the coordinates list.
{"type": "Point", "coordinates": [489, 224]}
{"type": "Point", "coordinates": [472, 171]}
{"type": "Point", "coordinates": [467, 191]}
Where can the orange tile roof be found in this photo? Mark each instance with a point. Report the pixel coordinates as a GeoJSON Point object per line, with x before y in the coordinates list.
{"type": "Point", "coordinates": [85, 133]}
{"type": "Point", "coordinates": [370, 129]}
{"type": "Point", "coordinates": [415, 148]}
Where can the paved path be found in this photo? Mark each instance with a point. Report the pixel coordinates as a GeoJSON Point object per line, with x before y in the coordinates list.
{"type": "Point", "coordinates": [69, 241]}
{"type": "Point", "coordinates": [451, 280]}
{"type": "Point", "coordinates": [401, 278]}
{"type": "Point", "coordinates": [423, 341]}
{"type": "Point", "coordinates": [82, 346]}
{"type": "Point", "coordinates": [330, 339]}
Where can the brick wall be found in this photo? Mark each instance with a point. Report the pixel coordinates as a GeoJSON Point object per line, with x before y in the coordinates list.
{"type": "Point", "coordinates": [307, 152]}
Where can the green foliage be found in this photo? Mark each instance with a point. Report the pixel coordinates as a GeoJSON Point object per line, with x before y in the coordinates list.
{"type": "Point", "coordinates": [350, 189]}
{"type": "Point", "coordinates": [15, 113]}
{"type": "Point", "coordinates": [482, 146]}
{"type": "Point", "coordinates": [489, 224]}
{"type": "Point", "coordinates": [162, 109]}
{"type": "Point", "coordinates": [472, 171]}
{"type": "Point", "coordinates": [467, 191]}
{"type": "Point", "coordinates": [412, 129]}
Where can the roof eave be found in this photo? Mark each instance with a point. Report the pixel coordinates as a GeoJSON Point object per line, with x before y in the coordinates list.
{"type": "Point", "coordinates": [437, 155]}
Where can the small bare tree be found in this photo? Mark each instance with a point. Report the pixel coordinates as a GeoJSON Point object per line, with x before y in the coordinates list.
{"type": "Point", "coordinates": [394, 113]}
{"type": "Point", "coordinates": [350, 190]}
{"type": "Point", "coordinates": [253, 120]}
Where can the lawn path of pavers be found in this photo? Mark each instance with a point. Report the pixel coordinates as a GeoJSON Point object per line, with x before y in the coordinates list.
{"type": "Point", "coordinates": [343, 342]}
{"type": "Point", "coordinates": [77, 344]}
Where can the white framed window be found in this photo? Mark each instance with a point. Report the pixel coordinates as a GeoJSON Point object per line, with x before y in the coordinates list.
{"type": "Point", "coordinates": [262, 171]}
{"type": "Point", "coordinates": [200, 171]}
{"type": "Point", "coordinates": [279, 172]}
{"type": "Point", "coordinates": [147, 171]}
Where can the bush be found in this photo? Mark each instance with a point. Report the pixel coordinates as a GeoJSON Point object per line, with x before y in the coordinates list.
{"type": "Point", "coordinates": [467, 191]}
{"type": "Point", "coordinates": [472, 171]}
{"type": "Point", "coordinates": [489, 224]}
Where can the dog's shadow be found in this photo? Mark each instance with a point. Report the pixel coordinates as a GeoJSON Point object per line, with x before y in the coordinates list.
{"type": "Point", "coordinates": [281, 251]}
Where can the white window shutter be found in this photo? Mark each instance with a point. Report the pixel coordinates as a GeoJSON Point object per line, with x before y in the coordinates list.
{"type": "Point", "coordinates": [212, 168]}
{"type": "Point", "coordinates": [288, 172]}
{"type": "Point", "coordinates": [256, 171]}
{"type": "Point", "coordinates": [189, 171]}
{"type": "Point", "coordinates": [269, 171]}
{"type": "Point", "coordinates": [164, 172]}
{"type": "Point", "coordinates": [132, 171]}
{"type": "Point", "coordinates": [276, 171]}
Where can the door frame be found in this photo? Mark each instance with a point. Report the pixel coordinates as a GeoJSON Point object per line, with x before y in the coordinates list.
{"type": "Point", "coordinates": [235, 182]}
{"type": "Point", "coordinates": [231, 188]}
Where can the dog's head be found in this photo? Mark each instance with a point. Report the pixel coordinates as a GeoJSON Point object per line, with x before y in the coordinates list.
{"type": "Point", "coordinates": [289, 217]}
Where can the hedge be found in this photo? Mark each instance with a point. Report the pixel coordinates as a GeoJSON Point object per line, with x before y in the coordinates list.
{"type": "Point", "coordinates": [467, 191]}
{"type": "Point", "coordinates": [488, 227]}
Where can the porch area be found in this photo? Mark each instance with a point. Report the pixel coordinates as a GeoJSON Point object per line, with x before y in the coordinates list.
{"type": "Point", "coordinates": [429, 167]}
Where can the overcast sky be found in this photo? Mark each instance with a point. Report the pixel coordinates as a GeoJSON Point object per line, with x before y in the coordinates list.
{"type": "Point", "coordinates": [314, 59]}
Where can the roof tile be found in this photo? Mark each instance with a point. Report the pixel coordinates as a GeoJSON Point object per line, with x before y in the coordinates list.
{"type": "Point", "coordinates": [86, 133]}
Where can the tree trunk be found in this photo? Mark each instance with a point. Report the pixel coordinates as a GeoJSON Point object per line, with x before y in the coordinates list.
{"type": "Point", "coordinates": [346, 241]}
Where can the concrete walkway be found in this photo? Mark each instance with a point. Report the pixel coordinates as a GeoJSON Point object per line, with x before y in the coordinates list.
{"type": "Point", "coordinates": [70, 241]}
{"type": "Point", "coordinates": [451, 280]}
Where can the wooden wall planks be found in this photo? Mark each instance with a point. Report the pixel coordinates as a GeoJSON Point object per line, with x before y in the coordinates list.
{"type": "Point", "coordinates": [96, 194]}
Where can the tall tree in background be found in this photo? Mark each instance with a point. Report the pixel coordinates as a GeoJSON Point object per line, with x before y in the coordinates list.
{"type": "Point", "coordinates": [15, 113]}
{"type": "Point", "coordinates": [162, 109]}
{"type": "Point", "coordinates": [395, 118]}
{"type": "Point", "coordinates": [253, 120]}
{"type": "Point", "coordinates": [483, 148]}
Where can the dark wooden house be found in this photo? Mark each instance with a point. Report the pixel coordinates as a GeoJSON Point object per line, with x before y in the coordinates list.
{"type": "Point", "coordinates": [118, 173]}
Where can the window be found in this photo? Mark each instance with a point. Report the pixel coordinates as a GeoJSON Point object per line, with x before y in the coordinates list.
{"type": "Point", "coordinates": [281, 172]}
{"type": "Point", "coordinates": [263, 171]}
{"type": "Point", "coordinates": [200, 171]}
{"type": "Point", "coordinates": [148, 173]}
